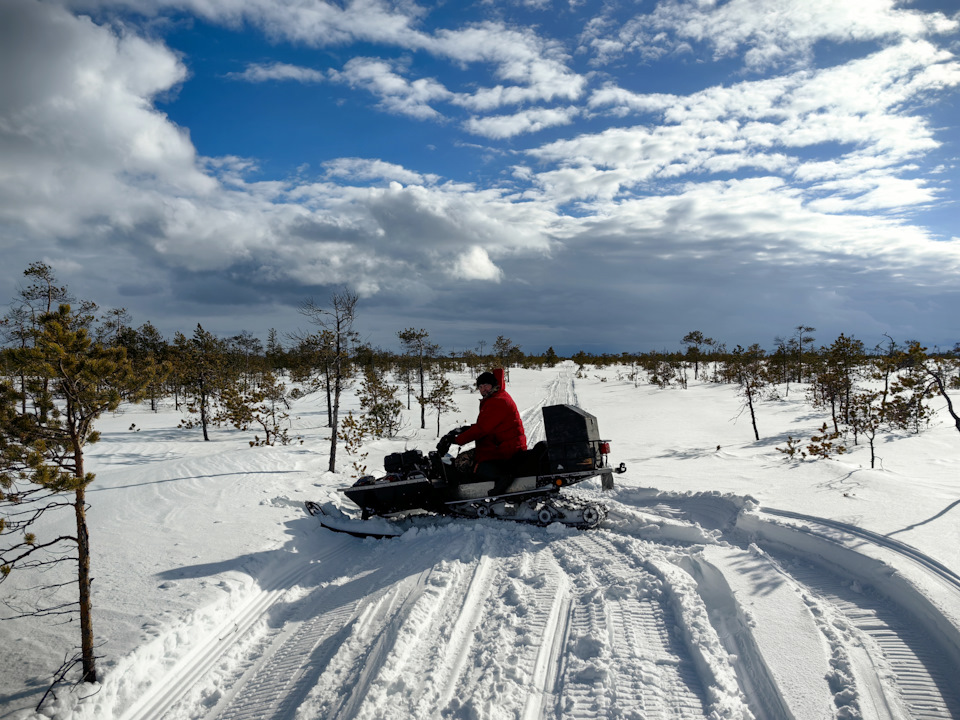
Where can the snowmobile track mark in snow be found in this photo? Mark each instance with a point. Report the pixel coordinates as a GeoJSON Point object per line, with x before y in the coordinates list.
{"type": "Point", "coordinates": [623, 635]}
{"type": "Point", "coordinates": [546, 666]}
{"type": "Point", "coordinates": [512, 661]}
{"type": "Point", "coordinates": [888, 661]}
{"type": "Point", "coordinates": [276, 686]}
{"type": "Point", "coordinates": [896, 636]}
{"type": "Point", "coordinates": [924, 683]}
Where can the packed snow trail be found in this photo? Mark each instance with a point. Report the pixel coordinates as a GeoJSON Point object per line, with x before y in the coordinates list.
{"type": "Point", "coordinates": [558, 391]}
{"type": "Point", "coordinates": [207, 654]}
{"type": "Point", "coordinates": [483, 620]}
{"type": "Point", "coordinates": [622, 631]}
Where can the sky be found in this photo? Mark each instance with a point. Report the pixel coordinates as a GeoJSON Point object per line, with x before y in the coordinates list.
{"type": "Point", "coordinates": [582, 175]}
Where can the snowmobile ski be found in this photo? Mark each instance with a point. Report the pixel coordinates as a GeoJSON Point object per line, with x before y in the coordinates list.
{"type": "Point", "coordinates": [333, 519]}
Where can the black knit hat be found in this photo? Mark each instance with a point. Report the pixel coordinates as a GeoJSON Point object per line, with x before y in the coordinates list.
{"type": "Point", "coordinates": [487, 378]}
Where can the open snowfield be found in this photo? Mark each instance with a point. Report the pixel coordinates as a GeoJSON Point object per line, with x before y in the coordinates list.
{"type": "Point", "coordinates": [726, 582]}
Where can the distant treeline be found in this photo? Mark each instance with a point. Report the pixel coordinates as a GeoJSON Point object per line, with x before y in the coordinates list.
{"type": "Point", "coordinates": [217, 380]}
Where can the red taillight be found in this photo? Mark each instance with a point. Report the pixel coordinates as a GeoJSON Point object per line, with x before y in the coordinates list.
{"type": "Point", "coordinates": [604, 448]}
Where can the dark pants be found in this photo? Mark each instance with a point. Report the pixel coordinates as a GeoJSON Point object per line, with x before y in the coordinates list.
{"type": "Point", "coordinates": [497, 471]}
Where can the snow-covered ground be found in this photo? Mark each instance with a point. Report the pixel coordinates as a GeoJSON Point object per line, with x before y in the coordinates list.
{"type": "Point", "coordinates": [726, 582]}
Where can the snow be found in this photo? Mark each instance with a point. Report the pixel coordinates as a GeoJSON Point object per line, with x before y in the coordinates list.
{"type": "Point", "coordinates": [726, 582]}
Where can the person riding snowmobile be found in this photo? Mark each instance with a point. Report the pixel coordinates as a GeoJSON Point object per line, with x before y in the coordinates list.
{"type": "Point", "coordinates": [498, 433]}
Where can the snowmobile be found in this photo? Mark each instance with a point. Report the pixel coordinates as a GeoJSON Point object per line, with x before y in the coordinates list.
{"type": "Point", "coordinates": [527, 490]}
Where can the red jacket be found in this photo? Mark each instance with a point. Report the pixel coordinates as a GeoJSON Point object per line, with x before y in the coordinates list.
{"type": "Point", "coordinates": [498, 430]}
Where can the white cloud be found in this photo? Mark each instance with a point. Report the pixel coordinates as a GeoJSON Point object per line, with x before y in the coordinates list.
{"type": "Point", "coordinates": [362, 170]}
{"type": "Point", "coordinates": [265, 72]}
{"type": "Point", "coordinates": [396, 93]}
{"type": "Point", "coordinates": [535, 69]}
{"type": "Point", "coordinates": [767, 32]}
{"type": "Point", "coordinates": [743, 225]}
{"type": "Point", "coordinates": [88, 158]}
{"type": "Point", "coordinates": [518, 56]}
{"type": "Point", "coordinates": [525, 121]}
{"type": "Point", "coordinates": [475, 264]}
{"type": "Point", "coordinates": [872, 191]}
{"type": "Point", "coordinates": [77, 123]}
{"type": "Point", "coordinates": [768, 124]}
{"type": "Point", "coordinates": [312, 23]}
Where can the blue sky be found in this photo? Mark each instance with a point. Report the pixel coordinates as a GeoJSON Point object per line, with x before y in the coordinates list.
{"type": "Point", "coordinates": [583, 175]}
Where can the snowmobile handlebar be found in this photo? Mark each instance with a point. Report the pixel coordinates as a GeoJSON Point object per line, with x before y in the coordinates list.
{"type": "Point", "coordinates": [447, 440]}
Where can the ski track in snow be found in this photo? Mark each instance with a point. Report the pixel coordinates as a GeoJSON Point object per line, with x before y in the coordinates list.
{"type": "Point", "coordinates": [559, 391]}
{"type": "Point", "coordinates": [643, 618]}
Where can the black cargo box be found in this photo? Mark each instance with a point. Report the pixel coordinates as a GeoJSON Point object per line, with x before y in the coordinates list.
{"type": "Point", "coordinates": [573, 438]}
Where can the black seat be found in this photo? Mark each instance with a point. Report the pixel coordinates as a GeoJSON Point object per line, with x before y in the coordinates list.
{"type": "Point", "coordinates": [530, 462]}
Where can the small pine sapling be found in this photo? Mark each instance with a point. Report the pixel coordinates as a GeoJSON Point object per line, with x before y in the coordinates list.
{"type": "Point", "coordinates": [354, 432]}
{"type": "Point", "coordinates": [823, 446]}
{"type": "Point", "coordinates": [826, 445]}
{"type": "Point", "coordinates": [794, 448]}
{"type": "Point", "coordinates": [867, 417]}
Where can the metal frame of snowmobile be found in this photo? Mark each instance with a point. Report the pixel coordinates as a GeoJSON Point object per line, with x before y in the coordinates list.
{"type": "Point", "coordinates": [572, 453]}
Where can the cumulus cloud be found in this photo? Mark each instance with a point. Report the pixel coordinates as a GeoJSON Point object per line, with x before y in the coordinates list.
{"type": "Point", "coordinates": [77, 121]}
{"type": "Point", "coordinates": [475, 264]}
{"type": "Point", "coordinates": [87, 157]}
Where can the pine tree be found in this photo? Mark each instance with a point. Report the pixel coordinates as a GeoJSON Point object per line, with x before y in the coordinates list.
{"type": "Point", "coordinates": [337, 322]}
{"type": "Point", "coordinates": [913, 385]}
{"type": "Point", "coordinates": [260, 405]}
{"type": "Point", "coordinates": [866, 417]}
{"type": "Point", "coordinates": [939, 370]}
{"type": "Point", "coordinates": [507, 353]}
{"type": "Point", "coordinates": [800, 341]}
{"type": "Point", "coordinates": [440, 398]}
{"type": "Point", "coordinates": [148, 351]}
{"type": "Point", "coordinates": [695, 341]}
{"type": "Point", "coordinates": [74, 382]}
{"type": "Point", "coordinates": [748, 369]}
{"type": "Point", "coordinates": [202, 369]}
{"type": "Point", "coordinates": [380, 405]}
{"type": "Point", "coordinates": [834, 380]}
{"type": "Point", "coordinates": [416, 344]}
{"type": "Point", "coordinates": [276, 356]}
